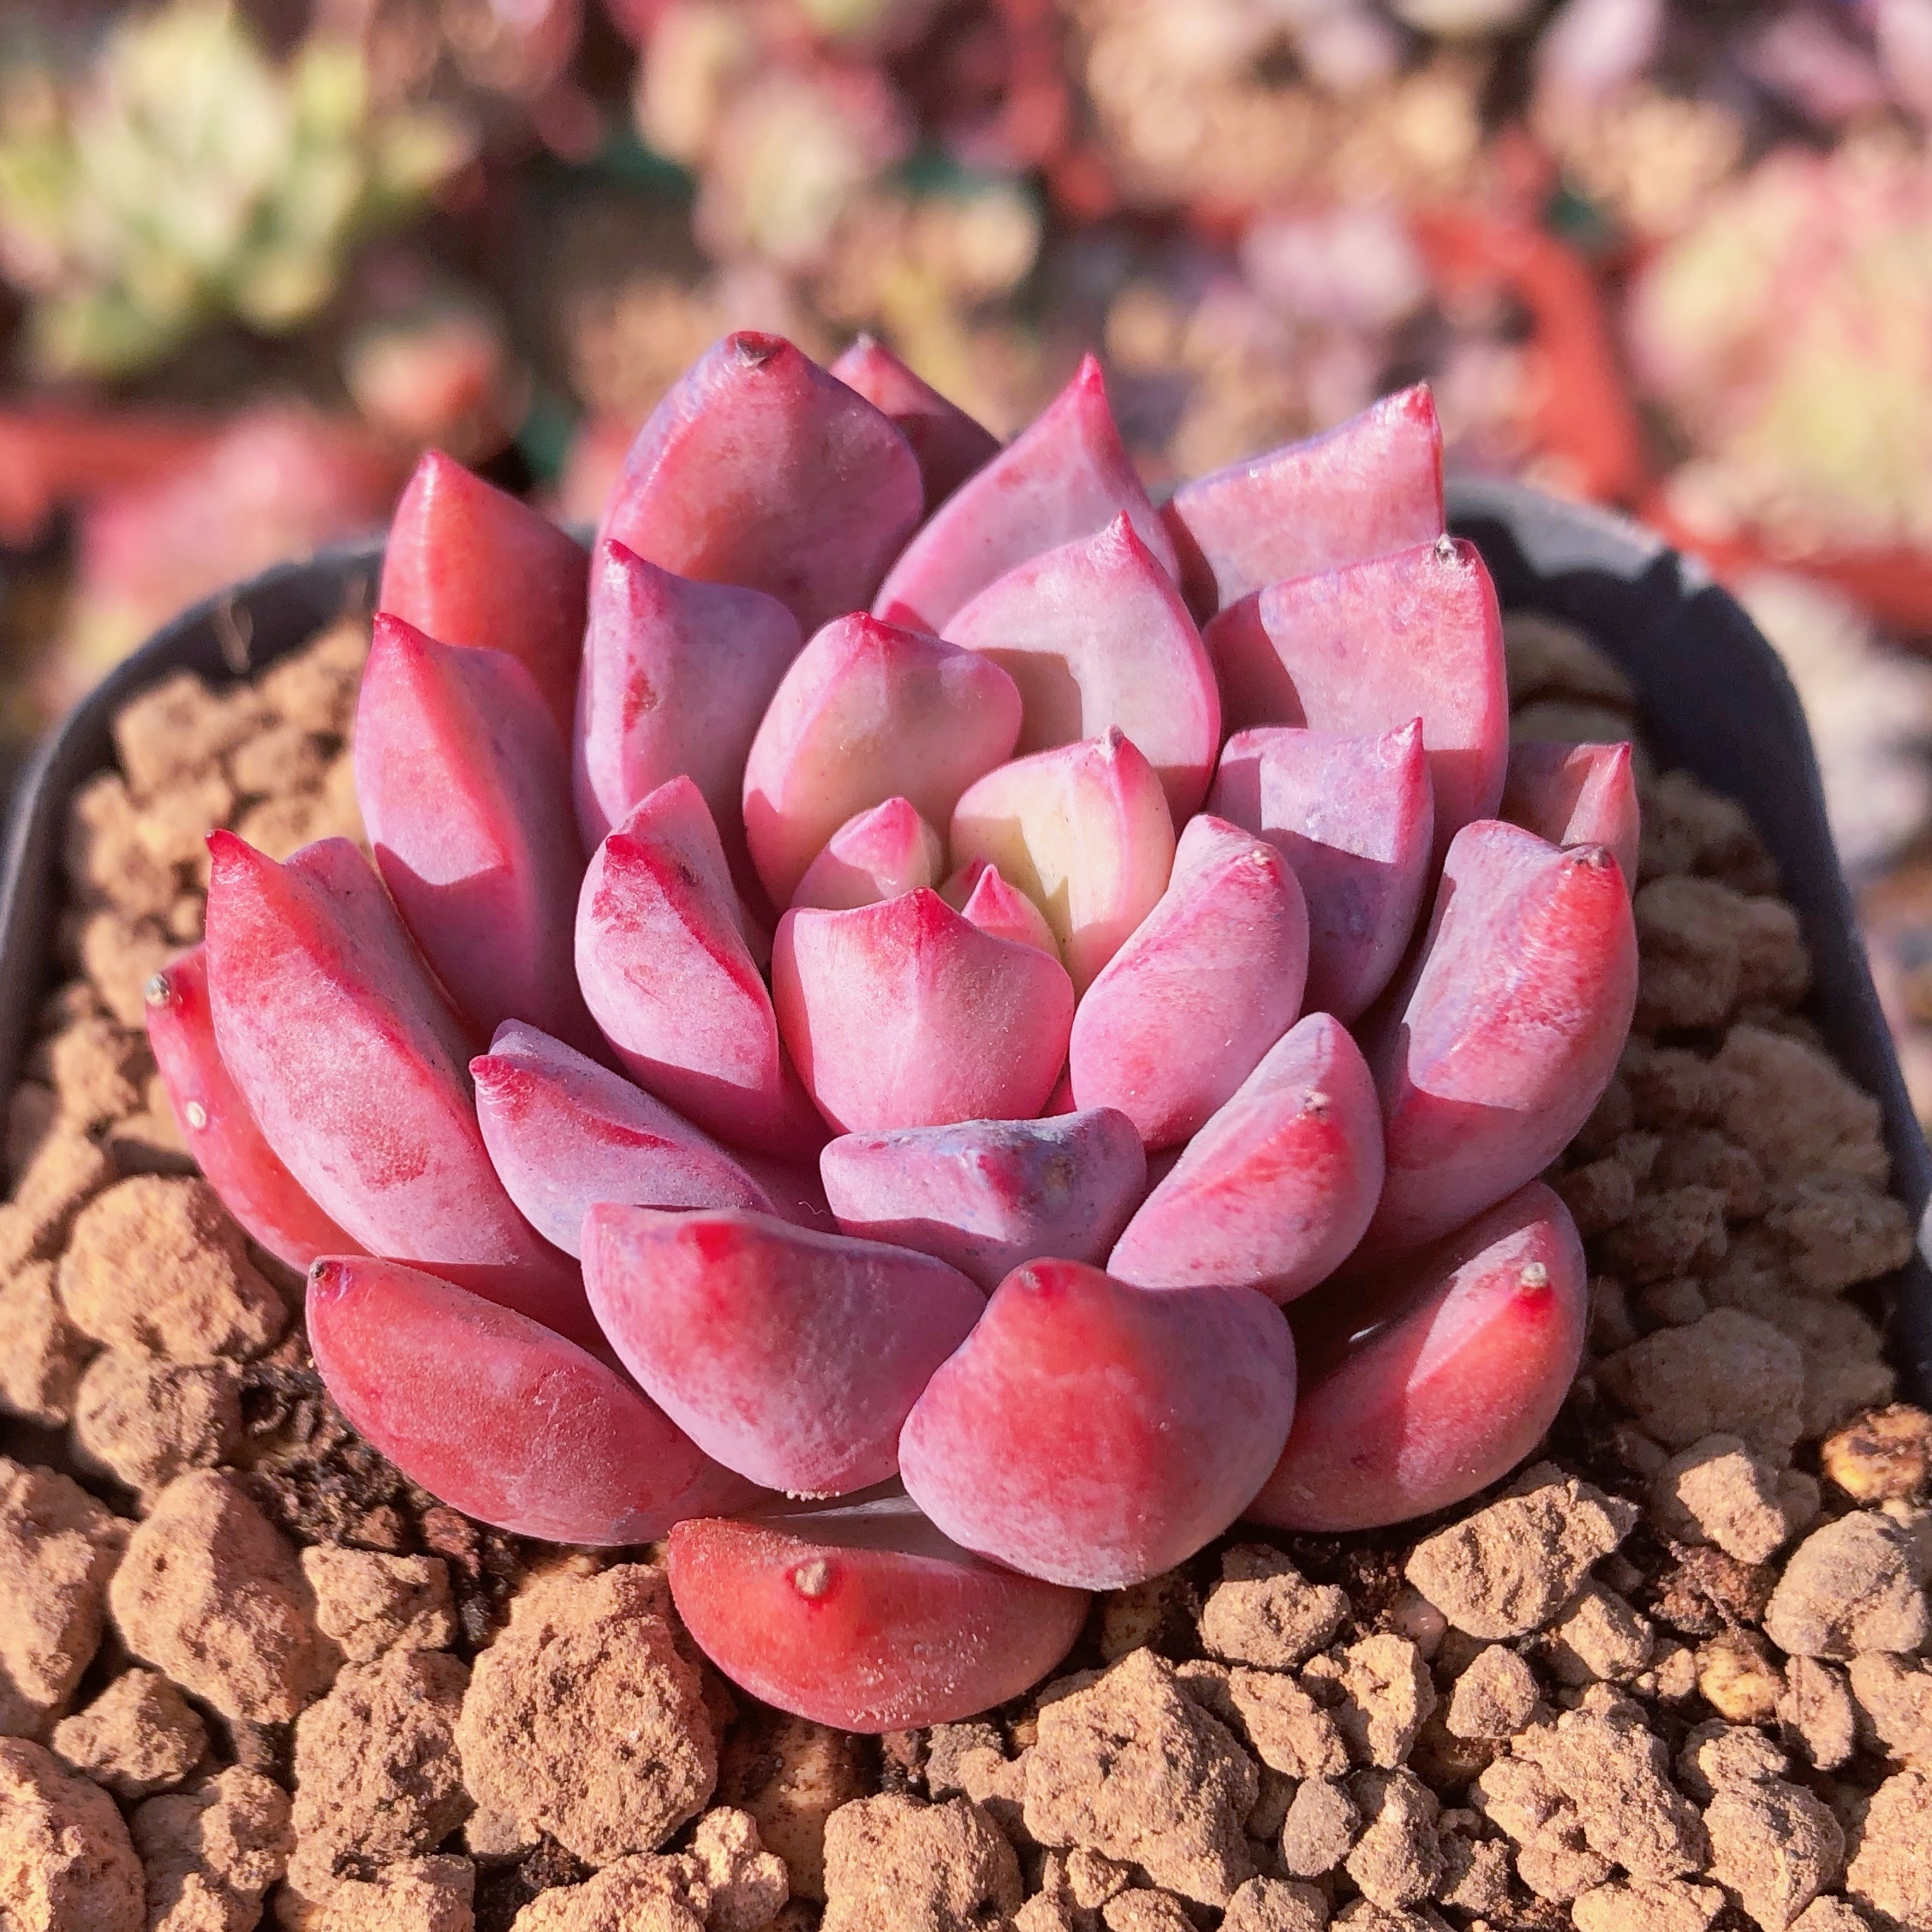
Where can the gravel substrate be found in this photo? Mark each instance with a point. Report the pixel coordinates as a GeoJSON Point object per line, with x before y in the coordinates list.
{"type": "Point", "coordinates": [1672, 1676]}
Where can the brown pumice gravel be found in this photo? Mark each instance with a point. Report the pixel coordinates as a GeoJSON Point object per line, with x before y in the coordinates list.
{"type": "Point", "coordinates": [1672, 1677]}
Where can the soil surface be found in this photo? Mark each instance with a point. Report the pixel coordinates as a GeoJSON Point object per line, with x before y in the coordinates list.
{"type": "Point", "coordinates": [1672, 1675]}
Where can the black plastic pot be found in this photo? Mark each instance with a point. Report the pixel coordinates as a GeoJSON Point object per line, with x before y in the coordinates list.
{"type": "Point", "coordinates": [1714, 699]}
{"type": "Point", "coordinates": [230, 636]}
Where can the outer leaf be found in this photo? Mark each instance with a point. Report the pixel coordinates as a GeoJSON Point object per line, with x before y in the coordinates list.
{"type": "Point", "coordinates": [467, 564]}
{"type": "Point", "coordinates": [1371, 485]}
{"type": "Point", "coordinates": [1508, 1031]}
{"type": "Point", "coordinates": [355, 1069]}
{"type": "Point", "coordinates": [865, 1617]}
{"type": "Point", "coordinates": [463, 784]}
{"type": "Point", "coordinates": [228, 1147]}
{"type": "Point", "coordinates": [1426, 1383]}
{"type": "Point", "coordinates": [497, 1417]}
{"type": "Point", "coordinates": [949, 444]}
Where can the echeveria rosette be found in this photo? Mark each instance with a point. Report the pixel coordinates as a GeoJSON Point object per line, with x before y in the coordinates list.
{"type": "Point", "coordinates": [863, 1107]}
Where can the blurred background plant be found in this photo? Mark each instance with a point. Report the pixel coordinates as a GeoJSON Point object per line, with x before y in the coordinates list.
{"type": "Point", "coordinates": [1674, 256]}
{"type": "Point", "coordinates": [180, 177]}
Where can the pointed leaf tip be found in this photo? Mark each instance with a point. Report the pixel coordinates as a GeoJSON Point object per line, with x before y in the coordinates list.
{"type": "Point", "coordinates": [755, 348]}
{"type": "Point", "coordinates": [1066, 476]}
{"type": "Point", "coordinates": [758, 467]}
{"type": "Point", "coordinates": [475, 567]}
{"type": "Point", "coordinates": [1371, 486]}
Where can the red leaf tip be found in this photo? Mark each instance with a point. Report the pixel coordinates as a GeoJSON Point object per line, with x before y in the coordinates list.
{"type": "Point", "coordinates": [754, 348]}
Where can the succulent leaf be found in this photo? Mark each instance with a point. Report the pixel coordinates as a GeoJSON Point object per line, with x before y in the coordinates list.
{"type": "Point", "coordinates": [1094, 1434]}
{"type": "Point", "coordinates": [464, 785]}
{"type": "Point", "coordinates": [668, 973]}
{"type": "Point", "coordinates": [221, 1133]}
{"type": "Point", "coordinates": [1066, 476]}
{"type": "Point", "coordinates": [469, 565]}
{"type": "Point", "coordinates": [1353, 817]}
{"type": "Point", "coordinates": [1369, 647]}
{"type": "Point", "coordinates": [864, 1617]}
{"type": "Point", "coordinates": [356, 1071]}
{"type": "Point", "coordinates": [1371, 485]}
{"type": "Point", "coordinates": [1427, 1382]}
{"type": "Point", "coordinates": [727, 481]}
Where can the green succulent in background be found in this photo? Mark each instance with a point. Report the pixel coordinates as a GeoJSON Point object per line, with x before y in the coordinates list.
{"type": "Point", "coordinates": [1789, 331]}
{"type": "Point", "coordinates": [185, 176]}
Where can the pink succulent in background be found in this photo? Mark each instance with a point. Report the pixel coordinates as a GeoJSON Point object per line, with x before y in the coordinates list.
{"type": "Point", "coordinates": [278, 480]}
{"type": "Point", "coordinates": [1083, 1077]}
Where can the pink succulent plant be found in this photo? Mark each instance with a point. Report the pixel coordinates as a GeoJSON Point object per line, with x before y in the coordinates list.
{"type": "Point", "coordinates": [941, 1108]}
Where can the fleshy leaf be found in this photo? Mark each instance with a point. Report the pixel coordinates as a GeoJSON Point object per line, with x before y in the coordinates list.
{"type": "Point", "coordinates": [668, 975]}
{"type": "Point", "coordinates": [494, 1414]}
{"type": "Point", "coordinates": [1094, 1434]}
{"type": "Point", "coordinates": [790, 1358]}
{"type": "Point", "coordinates": [946, 441]}
{"type": "Point", "coordinates": [1506, 1030]}
{"type": "Point", "coordinates": [1094, 634]}
{"type": "Point", "coordinates": [676, 677]}
{"type": "Point", "coordinates": [470, 565]}
{"type": "Point", "coordinates": [1085, 833]}
{"type": "Point", "coordinates": [1576, 794]}
{"type": "Point", "coordinates": [565, 1133]}
{"type": "Point", "coordinates": [866, 713]}
{"type": "Point", "coordinates": [759, 468]}
{"type": "Point", "coordinates": [1275, 1191]}
{"type": "Point", "coordinates": [904, 1015]}
{"type": "Point", "coordinates": [1369, 647]}
{"type": "Point", "coordinates": [1431, 1381]}
{"type": "Point", "coordinates": [463, 785]}
{"type": "Point", "coordinates": [356, 1070]}
{"type": "Point", "coordinates": [983, 899]}
{"type": "Point", "coordinates": [1205, 985]}
{"type": "Point", "coordinates": [1352, 815]}
{"type": "Point", "coordinates": [876, 855]}
{"type": "Point", "coordinates": [865, 1617]}
{"type": "Point", "coordinates": [986, 1196]}
{"type": "Point", "coordinates": [250, 1176]}
{"type": "Point", "coordinates": [1371, 486]}
{"type": "Point", "coordinates": [1067, 474]}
